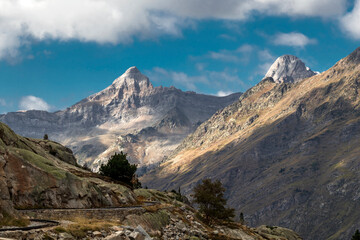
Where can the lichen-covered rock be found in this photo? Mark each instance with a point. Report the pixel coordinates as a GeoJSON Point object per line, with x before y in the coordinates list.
{"type": "Point", "coordinates": [31, 176]}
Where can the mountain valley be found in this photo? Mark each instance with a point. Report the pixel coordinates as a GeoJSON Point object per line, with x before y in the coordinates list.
{"type": "Point", "coordinates": [130, 115]}
{"type": "Point", "coordinates": [39, 181]}
{"type": "Point", "coordinates": [286, 151]}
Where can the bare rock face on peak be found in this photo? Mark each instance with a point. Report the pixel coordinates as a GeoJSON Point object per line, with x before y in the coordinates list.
{"type": "Point", "coordinates": [288, 68]}
{"type": "Point", "coordinates": [130, 115]}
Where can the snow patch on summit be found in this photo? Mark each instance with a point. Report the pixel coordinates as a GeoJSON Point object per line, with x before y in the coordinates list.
{"type": "Point", "coordinates": [288, 68]}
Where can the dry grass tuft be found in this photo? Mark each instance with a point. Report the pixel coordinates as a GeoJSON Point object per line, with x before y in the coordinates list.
{"type": "Point", "coordinates": [81, 226]}
{"type": "Point", "coordinates": [8, 220]}
{"type": "Point", "coordinates": [155, 208]}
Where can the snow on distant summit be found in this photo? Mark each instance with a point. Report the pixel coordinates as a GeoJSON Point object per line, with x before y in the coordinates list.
{"type": "Point", "coordinates": [288, 68]}
{"type": "Point", "coordinates": [130, 115]}
{"type": "Point", "coordinates": [129, 84]}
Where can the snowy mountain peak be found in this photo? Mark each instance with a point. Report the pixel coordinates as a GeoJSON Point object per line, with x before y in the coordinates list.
{"type": "Point", "coordinates": [133, 74]}
{"type": "Point", "coordinates": [132, 70]}
{"type": "Point", "coordinates": [129, 84]}
{"type": "Point", "coordinates": [289, 68]}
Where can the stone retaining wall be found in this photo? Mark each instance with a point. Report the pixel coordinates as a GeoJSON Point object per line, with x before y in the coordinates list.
{"type": "Point", "coordinates": [96, 213]}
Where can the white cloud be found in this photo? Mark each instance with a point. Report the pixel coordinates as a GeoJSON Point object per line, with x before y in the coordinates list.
{"type": "Point", "coordinates": [223, 76]}
{"type": "Point", "coordinates": [264, 68]}
{"type": "Point", "coordinates": [241, 54]}
{"type": "Point", "coordinates": [293, 39]}
{"type": "Point", "coordinates": [2, 102]}
{"type": "Point", "coordinates": [33, 103]}
{"type": "Point", "coordinates": [119, 21]}
{"type": "Point", "coordinates": [210, 79]}
{"type": "Point", "coordinates": [200, 66]}
{"type": "Point", "coordinates": [240, 10]}
{"type": "Point", "coordinates": [351, 21]}
{"type": "Point", "coordinates": [224, 55]}
{"type": "Point", "coordinates": [223, 93]}
{"type": "Point", "coordinates": [180, 79]}
{"type": "Point", "coordinates": [227, 37]}
{"type": "Point", "coordinates": [266, 59]}
{"type": "Point", "coordinates": [246, 48]}
{"type": "Point", "coordinates": [265, 55]}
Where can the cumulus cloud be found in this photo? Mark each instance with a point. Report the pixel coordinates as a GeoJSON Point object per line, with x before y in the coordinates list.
{"type": "Point", "coordinates": [33, 103]}
{"type": "Point", "coordinates": [350, 21]}
{"type": "Point", "coordinates": [240, 10]}
{"type": "Point", "coordinates": [120, 21]}
{"type": "Point", "coordinates": [293, 39]}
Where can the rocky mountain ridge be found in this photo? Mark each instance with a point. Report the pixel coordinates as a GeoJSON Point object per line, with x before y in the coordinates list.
{"type": "Point", "coordinates": [129, 115]}
{"type": "Point", "coordinates": [287, 152]}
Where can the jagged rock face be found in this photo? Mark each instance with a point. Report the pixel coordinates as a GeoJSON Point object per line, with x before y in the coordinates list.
{"type": "Point", "coordinates": [287, 154]}
{"type": "Point", "coordinates": [41, 174]}
{"type": "Point", "coordinates": [130, 115]}
{"type": "Point", "coordinates": [289, 68]}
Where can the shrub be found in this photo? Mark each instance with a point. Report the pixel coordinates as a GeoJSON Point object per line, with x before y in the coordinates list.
{"type": "Point", "coordinates": [119, 168]}
{"type": "Point", "coordinates": [210, 198]}
{"type": "Point", "coordinates": [241, 218]}
{"type": "Point", "coordinates": [356, 235]}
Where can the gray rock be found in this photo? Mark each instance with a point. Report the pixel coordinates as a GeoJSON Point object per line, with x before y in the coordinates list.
{"type": "Point", "coordinates": [115, 236]}
{"type": "Point", "coordinates": [130, 108]}
{"type": "Point", "coordinates": [97, 234]}
{"type": "Point", "coordinates": [136, 236]}
{"type": "Point", "coordinates": [289, 68]}
{"type": "Point", "coordinates": [142, 231]}
{"type": "Point", "coordinates": [66, 236]}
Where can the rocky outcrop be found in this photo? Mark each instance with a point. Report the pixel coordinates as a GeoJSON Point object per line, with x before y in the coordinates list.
{"type": "Point", "coordinates": [288, 154]}
{"type": "Point", "coordinates": [41, 174]}
{"type": "Point", "coordinates": [130, 107]}
{"type": "Point", "coordinates": [288, 68]}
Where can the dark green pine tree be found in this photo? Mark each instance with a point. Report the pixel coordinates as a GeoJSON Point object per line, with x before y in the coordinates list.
{"type": "Point", "coordinates": [241, 218]}
{"type": "Point", "coordinates": [119, 168]}
{"type": "Point", "coordinates": [210, 198]}
{"type": "Point", "coordinates": [356, 235]}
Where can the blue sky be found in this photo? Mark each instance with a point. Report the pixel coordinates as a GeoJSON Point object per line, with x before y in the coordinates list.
{"type": "Point", "coordinates": [55, 53]}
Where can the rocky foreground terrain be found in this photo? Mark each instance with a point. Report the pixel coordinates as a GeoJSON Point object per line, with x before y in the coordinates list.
{"type": "Point", "coordinates": [287, 151]}
{"type": "Point", "coordinates": [40, 179]}
{"type": "Point", "coordinates": [43, 174]}
{"type": "Point", "coordinates": [131, 115]}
